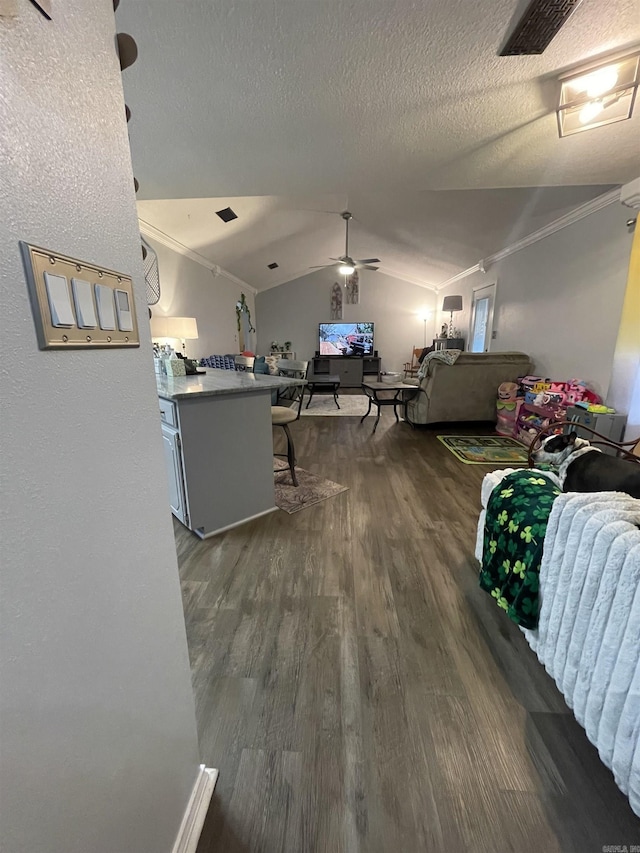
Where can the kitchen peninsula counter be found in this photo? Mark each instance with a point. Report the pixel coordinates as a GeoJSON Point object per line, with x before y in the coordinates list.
{"type": "Point", "coordinates": [218, 445]}
{"type": "Point", "coordinates": [215, 383]}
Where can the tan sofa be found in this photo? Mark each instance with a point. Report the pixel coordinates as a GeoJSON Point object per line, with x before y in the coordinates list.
{"type": "Point", "coordinates": [466, 390]}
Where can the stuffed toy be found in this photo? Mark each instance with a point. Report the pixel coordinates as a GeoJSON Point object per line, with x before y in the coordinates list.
{"type": "Point", "coordinates": [507, 391]}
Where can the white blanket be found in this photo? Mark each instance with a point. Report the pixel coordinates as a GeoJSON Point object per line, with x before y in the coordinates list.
{"type": "Point", "coordinates": [588, 635]}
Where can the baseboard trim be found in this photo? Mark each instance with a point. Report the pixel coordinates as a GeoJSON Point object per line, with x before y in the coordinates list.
{"type": "Point", "coordinates": [196, 811]}
{"type": "Point", "coordinates": [198, 531]}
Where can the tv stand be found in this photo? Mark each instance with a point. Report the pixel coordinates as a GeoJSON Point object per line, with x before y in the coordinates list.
{"type": "Point", "coordinates": [350, 368]}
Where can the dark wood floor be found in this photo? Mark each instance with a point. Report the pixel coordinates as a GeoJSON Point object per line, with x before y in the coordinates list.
{"type": "Point", "coordinates": [356, 689]}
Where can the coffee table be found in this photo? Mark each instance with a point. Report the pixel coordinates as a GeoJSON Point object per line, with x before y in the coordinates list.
{"type": "Point", "coordinates": [323, 382]}
{"type": "Point", "coordinates": [373, 390]}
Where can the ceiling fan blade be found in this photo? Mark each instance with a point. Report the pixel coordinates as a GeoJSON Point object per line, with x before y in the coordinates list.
{"type": "Point", "coordinates": [320, 266]}
{"type": "Point", "coordinates": [368, 261]}
{"type": "Point", "coordinates": [369, 267]}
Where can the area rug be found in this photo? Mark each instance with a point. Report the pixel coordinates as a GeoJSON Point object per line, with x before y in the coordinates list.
{"type": "Point", "coordinates": [351, 405]}
{"type": "Point", "coordinates": [311, 488]}
{"type": "Point", "coordinates": [486, 449]}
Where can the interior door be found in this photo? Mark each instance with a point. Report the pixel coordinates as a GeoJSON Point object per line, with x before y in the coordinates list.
{"type": "Point", "coordinates": [482, 318]}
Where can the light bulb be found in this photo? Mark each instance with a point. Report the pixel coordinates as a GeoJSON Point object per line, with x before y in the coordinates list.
{"type": "Point", "coordinates": [346, 269]}
{"type": "Point", "coordinates": [590, 111]}
{"type": "Point", "coordinates": [599, 82]}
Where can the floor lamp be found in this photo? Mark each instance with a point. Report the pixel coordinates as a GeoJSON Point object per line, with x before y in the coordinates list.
{"type": "Point", "coordinates": [424, 317]}
{"type": "Point", "coordinates": [451, 304]}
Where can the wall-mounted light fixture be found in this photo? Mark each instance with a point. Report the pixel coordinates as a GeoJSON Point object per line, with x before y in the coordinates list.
{"type": "Point", "coordinates": [598, 94]}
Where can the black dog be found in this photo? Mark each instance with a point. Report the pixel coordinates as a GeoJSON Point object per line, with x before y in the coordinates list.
{"type": "Point", "coordinates": [583, 468]}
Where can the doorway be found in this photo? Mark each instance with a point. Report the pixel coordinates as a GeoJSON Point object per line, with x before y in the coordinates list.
{"type": "Point", "coordinates": [482, 318]}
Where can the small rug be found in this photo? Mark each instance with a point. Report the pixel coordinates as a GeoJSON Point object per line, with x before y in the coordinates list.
{"type": "Point", "coordinates": [486, 449]}
{"type": "Point", "coordinates": [311, 488]}
{"type": "Point", "coordinates": [351, 405]}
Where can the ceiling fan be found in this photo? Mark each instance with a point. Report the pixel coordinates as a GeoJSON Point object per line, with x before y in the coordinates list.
{"type": "Point", "coordinates": [347, 265]}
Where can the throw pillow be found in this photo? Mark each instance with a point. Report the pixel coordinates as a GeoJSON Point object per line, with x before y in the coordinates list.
{"type": "Point", "coordinates": [272, 361]}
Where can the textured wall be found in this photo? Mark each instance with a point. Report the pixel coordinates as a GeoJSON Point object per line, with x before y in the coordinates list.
{"type": "Point", "coordinates": [98, 740]}
{"type": "Point", "coordinates": [292, 312]}
{"type": "Point", "coordinates": [190, 290]}
{"type": "Point", "coordinates": [560, 300]}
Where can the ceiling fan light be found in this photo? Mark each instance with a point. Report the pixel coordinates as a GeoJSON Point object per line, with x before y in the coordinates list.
{"type": "Point", "coordinates": [346, 269]}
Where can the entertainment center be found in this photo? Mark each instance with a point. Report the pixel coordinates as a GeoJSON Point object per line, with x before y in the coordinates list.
{"type": "Point", "coordinates": [350, 369]}
{"type": "Point", "coordinates": [346, 350]}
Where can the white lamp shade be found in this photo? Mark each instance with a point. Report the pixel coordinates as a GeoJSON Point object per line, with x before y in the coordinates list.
{"type": "Point", "coordinates": [159, 327]}
{"type": "Point", "coordinates": [452, 303]}
{"type": "Point", "coordinates": [184, 328]}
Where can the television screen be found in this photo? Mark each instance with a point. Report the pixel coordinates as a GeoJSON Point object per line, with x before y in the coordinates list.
{"type": "Point", "coordinates": [346, 339]}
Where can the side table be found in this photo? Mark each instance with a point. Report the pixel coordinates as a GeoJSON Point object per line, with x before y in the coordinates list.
{"type": "Point", "coordinates": [323, 381]}
{"type": "Point", "coordinates": [402, 395]}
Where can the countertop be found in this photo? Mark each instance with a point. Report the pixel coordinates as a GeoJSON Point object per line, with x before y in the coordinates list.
{"type": "Point", "coordinates": [216, 383]}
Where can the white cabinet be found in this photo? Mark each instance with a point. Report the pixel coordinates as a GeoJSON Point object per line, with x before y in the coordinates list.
{"type": "Point", "coordinates": [218, 451]}
{"type": "Point", "coordinates": [285, 354]}
{"type": "Point", "coordinates": [175, 476]}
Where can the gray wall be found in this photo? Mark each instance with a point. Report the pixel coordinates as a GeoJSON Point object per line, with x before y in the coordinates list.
{"type": "Point", "coordinates": [187, 289]}
{"type": "Point", "coordinates": [560, 299]}
{"type": "Point", "coordinates": [97, 727]}
{"type": "Point", "coordinates": [292, 312]}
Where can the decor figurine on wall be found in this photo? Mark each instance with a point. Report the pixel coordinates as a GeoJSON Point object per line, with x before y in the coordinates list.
{"type": "Point", "coordinates": [243, 320]}
{"type": "Point", "coordinates": [243, 308]}
{"type": "Point", "coordinates": [352, 288]}
{"type": "Point", "coordinates": [336, 302]}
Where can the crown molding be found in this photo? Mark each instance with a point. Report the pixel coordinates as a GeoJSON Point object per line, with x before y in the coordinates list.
{"type": "Point", "coordinates": [402, 277]}
{"type": "Point", "coordinates": [148, 230]}
{"type": "Point", "coordinates": [575, 215]}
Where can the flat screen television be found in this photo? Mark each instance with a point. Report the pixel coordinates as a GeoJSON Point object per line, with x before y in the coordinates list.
{"type": "Point", "coordinates": [346, 339]}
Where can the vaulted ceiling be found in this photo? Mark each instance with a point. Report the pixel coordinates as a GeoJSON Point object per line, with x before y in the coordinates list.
{"type": "Point", "coordinates": [399, 109]}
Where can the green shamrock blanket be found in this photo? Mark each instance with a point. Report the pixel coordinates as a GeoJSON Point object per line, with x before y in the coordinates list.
{"type": "Point", "coordinates": [514, 529]}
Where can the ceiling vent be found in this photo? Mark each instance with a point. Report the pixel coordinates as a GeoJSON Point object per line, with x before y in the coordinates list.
{"type": "Point", "coordinates": [273, 266]}
{"type": "Point", "coordinates": [540, 23]}
{"type": "Point", "coordinates": [227, 215]}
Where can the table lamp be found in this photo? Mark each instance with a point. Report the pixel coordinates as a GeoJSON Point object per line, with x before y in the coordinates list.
{"type": "Point", "coordinates": [183, 328]}
{"type": "Point", "coordinates": [451, 304]}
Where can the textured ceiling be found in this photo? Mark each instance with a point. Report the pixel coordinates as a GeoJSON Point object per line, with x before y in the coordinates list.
{"type": "Point", "coordinates": [299, 105]}
{"type": "Point", "coordinates": [265, 97]}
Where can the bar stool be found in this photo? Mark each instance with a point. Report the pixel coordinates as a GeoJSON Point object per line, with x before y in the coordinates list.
{"type": "Point", "coordinates": [288, 406]}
